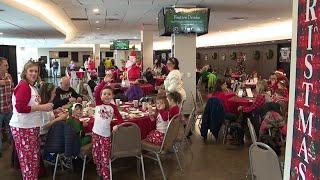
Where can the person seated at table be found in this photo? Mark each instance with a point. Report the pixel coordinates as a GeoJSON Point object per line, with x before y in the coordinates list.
{"type": "Point", "coordinates": [65, 94]}
{"type": "Point", "coordinates": [47, 93]}
{"type": "Point", "coordinates": [74, 121]}
{"type": "Point", "coordinates": [162, 121]}
{"type": "Point", "coordinates": [228, 72]}
{"type": "Point", "coordinates": [119, 94]}
{"type": "Point", "coordinates": [134, 92]}
{"type": "Point", "coordinates": [148, 75]}
{"type": "Point", "coordinates": [105, 111]}
{"type": "Point", "coordinates": [174, 99]}
{"type": "Point", "coordinates": [253, 79]}
{"type": "Point", "coordinates": [272, 83]}
{"type": "Point", "coordinates": [279, 97]}
{"type": "Point", "coordinates": [283, 86]}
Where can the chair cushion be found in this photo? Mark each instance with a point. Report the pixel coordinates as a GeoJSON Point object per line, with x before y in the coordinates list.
{"type": "Point", "coordinates": [149, 146]}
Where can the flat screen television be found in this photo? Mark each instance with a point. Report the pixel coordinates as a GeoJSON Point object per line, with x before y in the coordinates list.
{"type": "Point", "coordinates": [109, 54]}
{"type": "Point", "coordinates": [121, 44]}
{"type": "Point", "coordinates": [179, 20]}
{"type": "Point", "coordinates": [63, 54]}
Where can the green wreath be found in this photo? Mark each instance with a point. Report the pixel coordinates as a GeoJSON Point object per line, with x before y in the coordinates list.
{"type": "Point", "coordinates": [256, 55]}
{"type": "Point", "coordinates": [269, 54]}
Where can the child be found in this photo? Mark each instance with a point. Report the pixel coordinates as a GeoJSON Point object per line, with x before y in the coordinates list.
{"type": "Point", "coordinates": [77, 125]}
{"type": "Point", "coordinates": [163, 117]}
{"type": "Point", "coordinates": [104, 113]}
{"type": "Point", "coordinates": [174, 99]}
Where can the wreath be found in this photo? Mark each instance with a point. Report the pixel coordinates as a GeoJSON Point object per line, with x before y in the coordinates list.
{"type": "Point", "coordinates": [269, 54]}
{"type": "Point", "coordinates": [233, 56]}
{"type": "Point", "coordinates": [256, 55]}
{"type": "Point", "coordinates": [215, 55]}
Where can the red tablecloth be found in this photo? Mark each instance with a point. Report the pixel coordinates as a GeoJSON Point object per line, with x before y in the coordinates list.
{"type": "Point", "coordinates": [235, 76]}
{"type": "Point", "coordinates": [159, 80]}
{"type": "Point", "coordinates": [80, 74]}
{"type": "Point", "coordinates": [144, 123]}
{"type": "Point", "coordinates": [237, 101]}
{"type": "Point", "coordinates": [227, 95]}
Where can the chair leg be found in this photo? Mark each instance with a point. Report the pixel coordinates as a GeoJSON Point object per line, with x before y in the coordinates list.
{"type": "Point", "coordinates": [225, 134]}
{"type": "Point", "coordinates": [142, 164]}
{"type": "Point", "coordinates": [83, 166]}
{"type": "Point", "coordinates": [55, 167]}
{"type": "Point", "coordinates": [161, 168]}
{"type": "Point", "coordinates": [176, 153]}
{"type": "Point", "coordinates": [138, 167]}
{"type": "Point", "coordinates": [110, 169]}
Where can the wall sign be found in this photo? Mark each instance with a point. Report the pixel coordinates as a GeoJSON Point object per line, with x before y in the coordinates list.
{"type": "Point", "coordinates": [306, 125]}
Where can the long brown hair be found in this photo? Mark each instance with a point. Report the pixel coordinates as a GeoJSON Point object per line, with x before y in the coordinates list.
{"type": "Point", "coordinates": [28, 65]}
{"type": "Point", "coordinates": [45, 92]}
{"type": "Point", "coordinates": [164, 100]}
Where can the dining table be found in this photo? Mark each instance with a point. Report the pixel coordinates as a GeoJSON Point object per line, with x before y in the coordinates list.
{"type": "Point", "coordinates": [236, 101]}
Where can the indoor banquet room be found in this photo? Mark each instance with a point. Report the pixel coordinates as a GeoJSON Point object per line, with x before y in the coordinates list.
{"type": "Point", "coordinates": [159, 89]}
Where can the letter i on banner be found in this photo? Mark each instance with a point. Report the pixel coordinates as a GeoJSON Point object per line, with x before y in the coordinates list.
{"type": "Point", "coordinates": [305, 138]}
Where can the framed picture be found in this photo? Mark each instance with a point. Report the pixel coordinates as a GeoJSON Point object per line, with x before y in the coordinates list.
{"type": "Point", "coordinates": [285, 54]}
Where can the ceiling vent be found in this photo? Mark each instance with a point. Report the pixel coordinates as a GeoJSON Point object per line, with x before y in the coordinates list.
{"type": "Point", "coordinates": [79, 19]}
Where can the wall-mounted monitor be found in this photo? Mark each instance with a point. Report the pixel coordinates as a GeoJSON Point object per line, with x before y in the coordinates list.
{"type": "Point", "coordinates": [183, 20]}
{"type": "Point", "coordinates": [109, 54]}
{"type": "Point", "coordinates": [63, 54]}
{"type": "Point", "coordinates": [121, 44]}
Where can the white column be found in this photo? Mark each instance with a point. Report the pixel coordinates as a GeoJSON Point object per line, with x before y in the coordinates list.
{"type": "Point", "coordinates": [119, 55]}
{"type": "Point", "coordinates": [147, 46]}
{"type": "Point", "coordinates": [184, 49]}
{"type": "Point", "coordinates": [96, 54]}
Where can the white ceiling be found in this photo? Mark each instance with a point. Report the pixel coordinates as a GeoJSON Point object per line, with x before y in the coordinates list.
{"type": "Point", "coordinates": [17, 24]}
{"type": "Point", "coordinates": [132, 14]}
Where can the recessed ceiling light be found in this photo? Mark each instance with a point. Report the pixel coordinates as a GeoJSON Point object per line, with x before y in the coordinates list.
{"type": "Point", "coordinates": [97, 22]}
{"type": "Point", "coordinates": [98, 28]}
{"type": "Point", "coordinates": [96, 10]}
{"type": "Point", "coordinates": [135, 37]}
{"type": "Point", "coordinates": [1, 33]}
{"type": "Point", "coordinates": [278, 18]}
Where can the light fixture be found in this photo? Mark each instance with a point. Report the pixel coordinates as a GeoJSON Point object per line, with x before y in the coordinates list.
{"type": "Point", "coordinates": [1, 33]}
{"type": "Point", "coordinates": [278, 18]}
{"type": "Point", "coordinates": [98, 28]}
{"type": "Point", "coordinates": [97, 22]}
{"type": "Point", "coordinates": [96, 10]}
{"type": "Point", "coordinates": [135, 37]}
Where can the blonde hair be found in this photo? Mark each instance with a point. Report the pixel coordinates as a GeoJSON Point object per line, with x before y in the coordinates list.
{"type": "Point", "coordinates": [28, 65]}
{"type": "Point", "coordinates": [261, 86]}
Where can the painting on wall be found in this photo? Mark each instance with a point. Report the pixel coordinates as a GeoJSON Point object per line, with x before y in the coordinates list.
{"type": "Point", "coordinates": [285, 54]}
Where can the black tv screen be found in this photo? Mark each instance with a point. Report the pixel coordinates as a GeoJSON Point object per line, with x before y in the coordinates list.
{"type": "Point", "coordinates": [121, 44]}
{"type": "Point", "coordinates": [109, 54]}
{"type": "Point", "coordinates": [183, 21]}
{"type": "Point", "coordinates": [63, 54]}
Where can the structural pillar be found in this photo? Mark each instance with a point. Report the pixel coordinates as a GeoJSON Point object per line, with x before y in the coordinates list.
{"type": "Point", "coordinates": [96, 54]}
{"type": "Point", "coordinates": [184, 49]}
{"type": "Point", "coordinates": [147, 46]}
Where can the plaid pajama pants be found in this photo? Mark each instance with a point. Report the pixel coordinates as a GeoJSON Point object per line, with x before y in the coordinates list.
{"type": "Point", "coordinates": [101, 149]}
{"type": "Point", "coordinates": [27, 144]}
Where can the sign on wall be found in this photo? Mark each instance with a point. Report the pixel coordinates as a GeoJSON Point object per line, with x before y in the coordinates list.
{"type": "Point", "coordinates": [306, 125]}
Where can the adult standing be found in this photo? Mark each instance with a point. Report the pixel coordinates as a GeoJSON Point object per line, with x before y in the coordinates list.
{"type": "Point", "coordinates": [55, 67]}
{"type": "Point", "coordinates": [173, 81]}
{"type": "Point", "coordinates": [91, 64]}
{"type": "Point", "coordinates": [65, 94]}
{"type": "Point", "coordinates": [26, 121]}
{"type": "Point", "coordinates": [72, 66]}
{"type": "Point", "coordinates": [6, 88]}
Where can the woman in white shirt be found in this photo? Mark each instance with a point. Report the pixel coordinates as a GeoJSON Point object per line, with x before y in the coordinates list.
{"type": "Point", "coordinates": [25, 122]}
{"type": "Point", "coordinates": [173, 81]}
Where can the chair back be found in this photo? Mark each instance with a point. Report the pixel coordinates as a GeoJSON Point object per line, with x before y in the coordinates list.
{"type": "Point", "coordinates": [193, 100]}
{"type": "Point", "coordinates": [181, 106]}
{"type": "Point", "coordinates": [126, 141]}
{"type": "Point", "coordinates": [252, 131]}
{"type": "Point", "coordinates": [171, 133]}
{"type": "Point", "coordinates": [200, 98]}
{"type": "Point", "coordinates": [199, 82]}
{"type": "Point", "coordinates": [264, 162]}
{"type": "Point", "coordinates": [191, 121]}
{"type": "Point", "coordinates": [91, 98]}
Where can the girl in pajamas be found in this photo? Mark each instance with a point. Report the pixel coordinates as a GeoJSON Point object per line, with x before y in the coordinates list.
{"type": "Point", "coordinates": [163, 116]}
{"type": "Point", "coordinates": [101, 141]}
{"type": "Point", "coordinates": [25, 123]}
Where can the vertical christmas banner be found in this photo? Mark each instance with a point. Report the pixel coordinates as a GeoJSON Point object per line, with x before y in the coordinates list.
{"type": "Point", "coordinates": [306, 126]}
